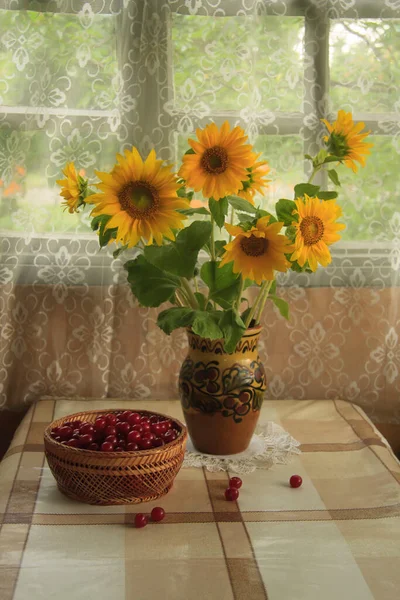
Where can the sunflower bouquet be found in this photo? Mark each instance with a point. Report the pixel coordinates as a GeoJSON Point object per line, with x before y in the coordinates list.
{"type": "Point", "coordinates": [143, 204]}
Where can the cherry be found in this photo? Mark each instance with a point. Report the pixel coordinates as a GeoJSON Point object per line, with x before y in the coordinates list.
{"type": "Point", "coordinates": [86, 428]}
{"type": "Point", "coordinates": [134, 437]}
{"type": "Point", "coordinates": [85, 439]}
{"type": "Point", "coordinates": [93, 446]}
{"type": "Point", "coordinates": [145, 419]}
{"type": "Point", "coordinates": [125, 415]}
{"type": "Point", "coordinates": [145, 444]}
{"type": "Point", "coordinates": [58, 439]}
{"type": "Point", "coordinates": [65, 432]}
{"type": "Point", "coordinates": [111, 419]}
{"type": "Point", "coordinates": [73, 442]}
{"type": "Point", "coordinates": [148, 436]}
{"type": "Point", "coordinates": [235, 482]}
{"type": "Point", "coordinates": [140, 520]}
{"type": "Point", "coordinates": [232, 494]}
{"type": "Point", "coordinates": [155, 428]}
{"type": "Point", "coordinates": [295, 481]}
{"type": "Point", "coordinates": [110, 430]}
{"type": "Point", "coordinates": [76, 433]}
{"type": "Point", "coordinates": [132, 447]}
{"type": "Point", "coordinates": [100, 424]}
{"type": "Point", "coordinates": [98, 435]}
{"type": "Point", "coordinates": [111, 439]}
{"type": "Point", "coordinates": [133, 419]}
{"type": "Point", "coordinates": [157, 514]}
{"type": "Point", "coordinates": [145, 425]}
{"type": "Point", "coordinates": [170, 436]}
{"type": "Point", "coordinates": [123, 427]}
{"type": "Point", "coordinates": [107, 447]}
{"type": "Point", "coordinates": [163, 427]}
{"type": "Point", "coordinates": [153, 419]}
{"type": "Point", "coordinates": [118, 449]}
{"type": "Point", "coordinates": [157, 442]}
{"type": "Point", "coordinates": [55, 431]}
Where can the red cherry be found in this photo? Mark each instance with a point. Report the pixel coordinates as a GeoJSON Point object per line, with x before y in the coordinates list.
{"type": "Point", "coordinates": [153, 419]}
{"type": "Point", "coordinates": [73, 442]}
{"type": "Point", "coordinates": [145, 425]}
{"type": "Point", "coordinates": [145, 419]}
{"type": "Point", "coordinates": [107, 447]}
{"type": "Point", "coordinates": [169, 436]}
{"type": "Point", "coordinates": [155, 428]}
{"type": "Point", "coordinates": [148, 436]}
{"type": "Point", "coordinates": [86, 428]}
{"type": "Point", "coordinates": [100, 424]}
{"type": "Point", "coordinates": [133, 419]}
{"type": "Point", "coordinates": [98, 435]}
{"type": "Point", "coordinates": [111, 439]}
{"type": "Point", "coordinates": [65, 432]}
{"type": "Point", "coordinates": [163, 427]}
{"type": "Point", "coordinates": [157, 442]}
{"type": "Point", "coordinates": [168, 423]}
{"type": "Point", "coordinates": [140, 520]}
{"type": "Point", "coordinates": [55, 431]}
{"type": "Point", "coordinates": [134, 437]}
{"type": "Point", "coordinates": [235, 482]}
{"type": "Point", "coordinates": [58, 439]}
{"type": "Point", "coordinates": [123, 427]}
{"type": "Point", "coordinates": [157, 514]}
{"type": "Point", "coordinates": [118, 449]}
{"type": "Point", "coordinates": [111, 419]}
{"type": "Point", "coordinates": [85, 440]}
{"type": "Point", "coordinates": [125, 415]}
{"type": "Point", "coordinates": [295, 481]}
{"type": "Point", "coordinates": [145, 444]}
{"type": "Point", "coordinates": [232, 494]}
{"type": "Point", "coordinates": [93, 446]}
{"type": "Point", "coordinates": [132, 447]}
{"type": "Point", "coordinates": [110, 430]}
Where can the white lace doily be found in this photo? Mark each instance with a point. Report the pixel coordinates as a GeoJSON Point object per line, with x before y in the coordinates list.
{"type": "Point", "coordinates": [270, 445]}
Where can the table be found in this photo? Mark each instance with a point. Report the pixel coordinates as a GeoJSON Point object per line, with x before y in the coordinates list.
{"type": "Point", "coordinates": [336, 537]}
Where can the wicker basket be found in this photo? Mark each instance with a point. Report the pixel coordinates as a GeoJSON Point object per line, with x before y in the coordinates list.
{"type": "Point", "coordinates": [114, 477]}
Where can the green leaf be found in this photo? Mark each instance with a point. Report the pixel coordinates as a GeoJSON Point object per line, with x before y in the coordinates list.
{"type": "Point", "coordinates": [242, 205]}
{"type": "Point", "coordinates": [272, 289]}
{"type": "Point", "coordinates": [98, 224]}
{"type": "Point", "coordinates": [219, 210]}
{"type": "Point", "coordinates": [205, 324]}
{"type": "Point", "coordinates": [295, 265]}
{"type": "Point", "coordinates": [305, 188]}
{"type": "Point", "coordinates": [150, 285]}
{"type": "Point", "coordinates": [201, 299]}
{"type": "Point", "coordinates": [119, 251]}
{"type": "Point", "coordinates": [180, 257]}
{"type": "Point", "coordinates": [308, 156]}
{"type": "Point", "coordinates": [281, 305]}
{"type": "Point", "coordinates": [333, 176]}
{"type": "Point", "coordinates": [322, 154]}
{"type": "Point", "coordinates": [97, 221]}
{"type": "Point", "coordinates": [219, 248]}
{"type": "Point", "coordinates": [264, 213]}
{"type": "Point", "coordinates": [224, 285]}
{"type": "Point", "coordinates": [245, 314]}
{"type": "Point", "coordinates": [327, 195]}
{"type": "Point", "coordinates": [194, 211]}
{"type": "Point", "coordinates": [232, 328]}
{"type": "Point", "coordinates": [173, 318]}
{"type": "Point", "coordinates": [190, 151]}
{"type": "Point", "coordinates": [284, 211]}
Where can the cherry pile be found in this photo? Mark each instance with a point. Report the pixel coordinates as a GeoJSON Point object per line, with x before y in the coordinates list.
{"type": "Point", "coordinates": [126, 431]}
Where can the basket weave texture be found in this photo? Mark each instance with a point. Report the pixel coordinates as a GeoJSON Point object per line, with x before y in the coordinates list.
{"type": "Point", "coordinates": [114, 477]}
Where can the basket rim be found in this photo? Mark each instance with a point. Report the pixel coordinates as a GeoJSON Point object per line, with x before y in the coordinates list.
{"type": "Point", "coordinates": [124, 454]}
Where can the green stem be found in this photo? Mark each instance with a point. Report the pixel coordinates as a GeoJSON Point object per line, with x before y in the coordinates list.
{"type": "Point", "coordinates": [231, 221]}
{"type": "Point", "coordinates": [212, 240]}
{"type": "Point", "coordinates": [189, 293]}
{"type": "Point", "coordinates": [256, 303]}
{"type": "Point", "coordinates": [314, 172]}
{"type": "Point", "coordinates": [262, 303]}
{"type": "Point", "coordinates": [239, 298]}
{"type": "Point", "coordinates": [180, 298]}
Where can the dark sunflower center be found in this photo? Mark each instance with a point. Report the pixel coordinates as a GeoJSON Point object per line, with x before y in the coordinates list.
{"type": "Point", "coordinates": [254, 246]}
{"type": "Point", "coordinates": [337, 145]}
{"type": "Point", "coordinates": [312, 230]}
{"type": "Point", "coordinates": [139, 199]}
{"type": "Point", "coordinates": [215, 160]}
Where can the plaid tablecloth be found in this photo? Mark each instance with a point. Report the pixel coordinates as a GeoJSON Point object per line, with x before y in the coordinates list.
{"type": "Point", "coordinates": [336, 537]}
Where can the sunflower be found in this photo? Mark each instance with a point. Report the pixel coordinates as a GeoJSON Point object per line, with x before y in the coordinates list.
{"type": "Point", "coordinates": [255, 181]}
{"type": "Point", "coordinates": [315, 230]}
{"type": "Point", "coordinates": [258, 252]}
{"type": "Point", "coordinates": [141, 198]}
{"type": "Point", "coordinates": [73, 188]}
{"type": "Point", "coordinates": [220, 161]}
{"type": "Point", "coordinates": [345, 140]}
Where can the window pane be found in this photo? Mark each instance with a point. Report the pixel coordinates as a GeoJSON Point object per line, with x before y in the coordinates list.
{"type": "Point", "coordinates": [238, 62]}
{"type": "Point", "coordinates": [370, 198]}
{"type": "Point", "coordinates": [57, 60]}
{"type": "Point", "coordinates": [365, 64]}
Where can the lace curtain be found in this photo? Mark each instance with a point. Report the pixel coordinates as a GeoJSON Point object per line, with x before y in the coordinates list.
{"type": "Point", "coordinates": [80, 81]}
